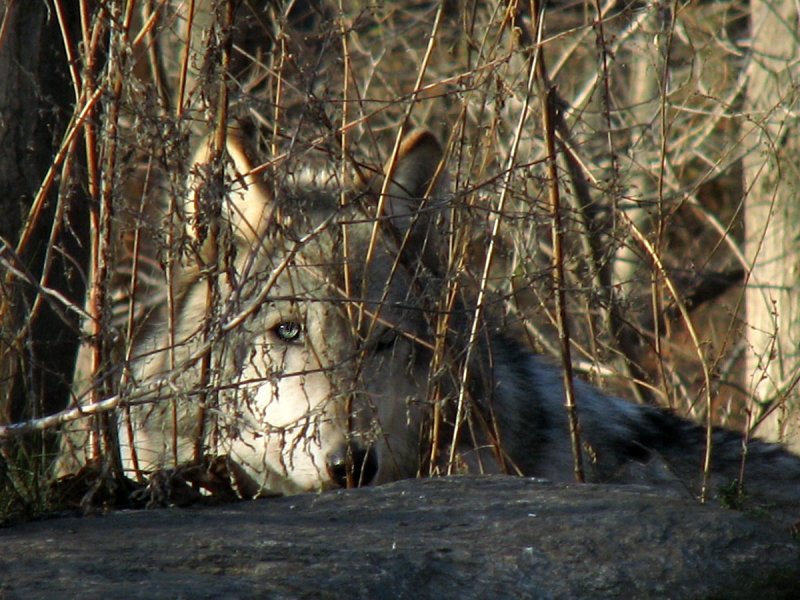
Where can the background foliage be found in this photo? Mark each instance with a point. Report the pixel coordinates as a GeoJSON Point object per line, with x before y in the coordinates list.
{"type": "Point", "coordinates": [672, 122]}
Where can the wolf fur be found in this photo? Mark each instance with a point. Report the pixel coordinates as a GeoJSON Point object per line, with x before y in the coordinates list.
{"type": "Point", "coordinates": [306, 352]}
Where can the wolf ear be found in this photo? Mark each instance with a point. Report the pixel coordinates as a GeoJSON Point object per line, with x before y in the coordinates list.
{"type": "Point", "coordinates": [247, 203]}
{"type": "Point", "coordinates": [417, 164]}
{"type": "Point", "coordinates": [416, 179]}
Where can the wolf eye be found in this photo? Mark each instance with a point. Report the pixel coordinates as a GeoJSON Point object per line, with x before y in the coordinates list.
{"type": "Point", "coordinates": [288, 331]}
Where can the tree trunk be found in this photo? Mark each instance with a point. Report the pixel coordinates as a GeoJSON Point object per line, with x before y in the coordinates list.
{"type": "Point", "coordinates": [772, 218]}
{"type": "Point", "coordinates": [38, 334]}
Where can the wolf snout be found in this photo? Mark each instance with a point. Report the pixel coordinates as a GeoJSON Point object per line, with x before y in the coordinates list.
{"type": "Point", "coordinates": [352, 465]}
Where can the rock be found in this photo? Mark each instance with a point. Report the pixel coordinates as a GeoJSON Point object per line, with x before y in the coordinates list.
{"type": "Point", "coordinates": [464, 537]}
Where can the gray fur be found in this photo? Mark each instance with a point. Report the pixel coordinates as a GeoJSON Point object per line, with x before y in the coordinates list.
{"type": "Point", "coordinates": [358, 374]}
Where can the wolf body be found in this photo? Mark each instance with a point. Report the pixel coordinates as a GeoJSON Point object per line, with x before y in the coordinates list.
{"type": "Point", "coordinates": [317, 352]}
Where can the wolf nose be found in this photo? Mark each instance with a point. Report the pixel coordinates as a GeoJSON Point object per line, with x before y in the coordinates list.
{"type": "Point", "coordinates": [352, 466]}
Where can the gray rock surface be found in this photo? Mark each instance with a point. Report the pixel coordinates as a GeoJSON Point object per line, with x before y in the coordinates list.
{"type": "Point", "coordinates": [490, 537]}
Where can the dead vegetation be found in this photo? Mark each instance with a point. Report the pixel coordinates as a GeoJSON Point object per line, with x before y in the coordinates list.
{"type": "Point", "coordinates": [642, 147]}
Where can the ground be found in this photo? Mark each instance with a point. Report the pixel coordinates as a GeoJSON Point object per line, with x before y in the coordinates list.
{"type": "Point", "coordinates": [467, 537]}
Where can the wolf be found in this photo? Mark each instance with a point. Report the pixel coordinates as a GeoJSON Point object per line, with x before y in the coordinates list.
{"type": "Point", "coordinates": [316, 341]}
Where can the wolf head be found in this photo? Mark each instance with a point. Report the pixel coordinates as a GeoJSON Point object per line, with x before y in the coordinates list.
{"type": "Point", "coordinates": [302, 351]}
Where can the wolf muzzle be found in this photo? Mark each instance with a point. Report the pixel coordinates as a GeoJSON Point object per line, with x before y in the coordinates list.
{"type": "Point", "coordinates": [352, 465]}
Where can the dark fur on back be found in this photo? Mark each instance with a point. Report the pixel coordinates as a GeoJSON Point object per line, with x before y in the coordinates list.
{"type": "Point", "coordinates": [628, 443]}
